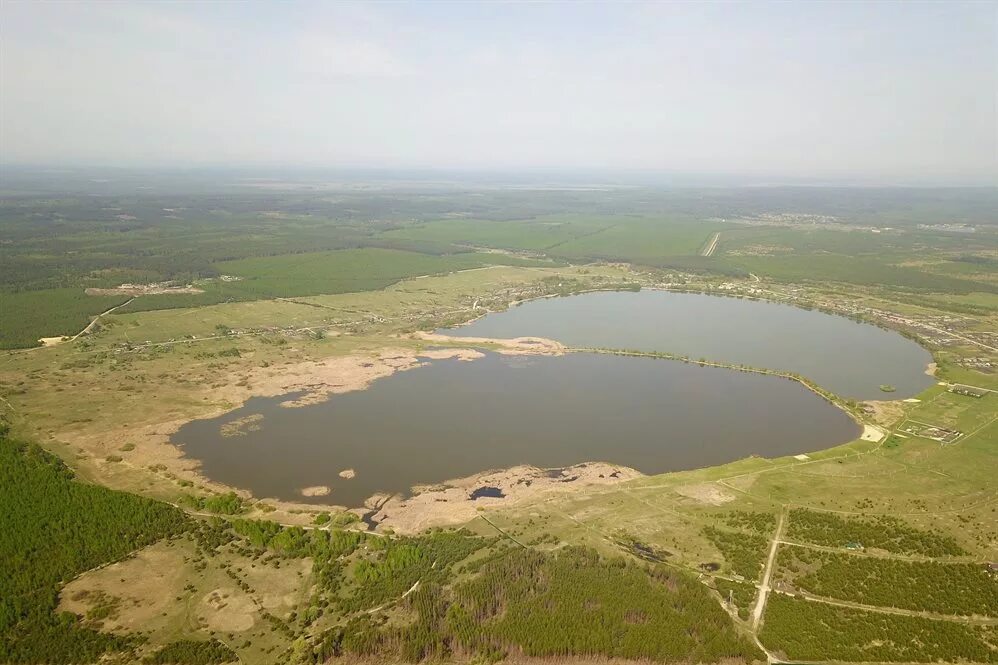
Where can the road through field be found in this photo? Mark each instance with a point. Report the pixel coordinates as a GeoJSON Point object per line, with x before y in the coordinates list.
{"type": "Point", "coordinates": [711, 245]}
{"type": "Point", "coordinates": [90, 326]}
{"type": "Point", "coordinates": [760, 604]}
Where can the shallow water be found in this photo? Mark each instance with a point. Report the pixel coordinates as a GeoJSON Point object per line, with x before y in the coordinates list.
{"type": "Point", "coordinates": [849, 358]}
{"type": "Point", "coordinates": [449, 418]}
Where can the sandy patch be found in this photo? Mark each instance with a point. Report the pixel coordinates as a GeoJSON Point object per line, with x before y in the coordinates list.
{"type": "Point", "coordinates": [227, 610]}
{"type": "Point", "coordinates": [931, 368]}
{"type": "Point", "coordinates": [322, 379]}
{"type": "Point", "coordinates": [315, 490]}
{"type": "Point", "coordinates": [451, 503]}
{"type": "Point", "coordinates": [460, 354]}
{"type": "Point", "coordinates": [884, 412]}
{"type": "Point", "coordinates": [871, 433]}
{"type": "Point", "coordinates": [242, 426]}
{"type": "Point", "coordinates": [160, 288]}
{"type": "Point", "coordinates": [52, 341]}
{"type": "Point", "coordinates": [514, 346]}
{"type": "Point", "coordinates": [347, 473]}
{"type": "Point", "coordinates": [274, 600]}
{"type": "Point", "coordinates": [710, 493]}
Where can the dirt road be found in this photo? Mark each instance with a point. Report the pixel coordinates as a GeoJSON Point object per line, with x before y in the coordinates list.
{"type": "Point", "coordinates": [97, 318]}
{"type": "Point", "coordinates": [767, 575]}
{"type": "Point", "coordinates": [712, 245]}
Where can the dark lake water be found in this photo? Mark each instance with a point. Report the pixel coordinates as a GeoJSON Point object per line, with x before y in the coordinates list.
{"type": "Point", "coordinates": [451, 418]}
{"type": "Point", "coordinates": [849, 358]}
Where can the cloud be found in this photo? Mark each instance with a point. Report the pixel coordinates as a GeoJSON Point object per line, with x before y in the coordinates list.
{"type": "Point", "coordinates": [760, 88]}
{"type": "Point", "coordinates": [332, 56]}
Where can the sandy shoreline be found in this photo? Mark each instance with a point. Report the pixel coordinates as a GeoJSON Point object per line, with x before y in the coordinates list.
{"type": "Point", "coordinates": [450, 502]}
{"type": "Point", "coordinates": [318, 380]}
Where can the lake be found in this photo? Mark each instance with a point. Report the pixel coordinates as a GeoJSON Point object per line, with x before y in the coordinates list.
{"type": "Point", "coordinates": [849, 358]}
{"type": "Point", "coordinates": [449, 418]}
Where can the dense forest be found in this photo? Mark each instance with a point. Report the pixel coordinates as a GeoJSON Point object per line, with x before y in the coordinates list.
{"type": "Point", "coordinates": [946, 588]}
{"type": "Point", "coordinates": [881, 532]}
{"type": "Point", "coordinates": [572, 603]}
{"type": "Point", "coordinates": [743, 552]}
{"type": "Point", "coordinates": [53, 528]}
{"type": "Point", "coordinates": [193, 652]}
{"type": "Point", "coordinates": [816, 631]}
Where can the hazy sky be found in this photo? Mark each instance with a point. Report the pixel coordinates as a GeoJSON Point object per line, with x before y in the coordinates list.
{"type": "Point", "coordinates": [882, 90]}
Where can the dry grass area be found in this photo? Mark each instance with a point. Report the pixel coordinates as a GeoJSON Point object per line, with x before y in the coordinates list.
{"type": "Point", "coordinates": [167, 593]}
{"type": "Point", "coordinates": [109, 403]}
{"type": "Point", "coordinates": [883, 412]}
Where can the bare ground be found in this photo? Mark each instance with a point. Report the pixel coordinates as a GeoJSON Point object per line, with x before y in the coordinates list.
{"type": "Point", "coordinates": [450, 502]}
{"type": "Point", "coordinates": [143, 290]}
{"type": "Point", "coordinates": [709, 493]}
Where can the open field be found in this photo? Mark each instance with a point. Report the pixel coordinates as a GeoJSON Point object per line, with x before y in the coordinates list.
{"type": "Point", "coordinates": [172, 591]}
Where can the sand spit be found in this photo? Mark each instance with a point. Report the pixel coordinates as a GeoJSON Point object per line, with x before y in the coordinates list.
{"type": "Point", "coordinates": [460, 354]}
{"type": "Point", "coordinates": [514, 346]}
{"type": "Point", "coordinates": [451, 503]}
{"type": "Point", "coordinates": [322, 379]}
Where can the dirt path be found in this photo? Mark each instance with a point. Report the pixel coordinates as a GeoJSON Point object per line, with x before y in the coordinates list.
{"type": "Point", "coordinates": [97, 318]}
{"type": "Point", "coordinates": [711, 245]}
{"type": "Point", "coordinates": [955, 618]}
{"type": "Point", "coordinates": [381, 607]}
{"type": "Point", "coordinates": [579, 237]}
{"type": "Point", "coordinates": [760, 605]}
{"type": "Point", "coordinates": [493, 525]}
{"type": "Point", "coordinates": [882, 555]}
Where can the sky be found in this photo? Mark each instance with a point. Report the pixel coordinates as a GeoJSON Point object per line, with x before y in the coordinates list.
{"type": "Point", "coordinates": [884, 91]}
